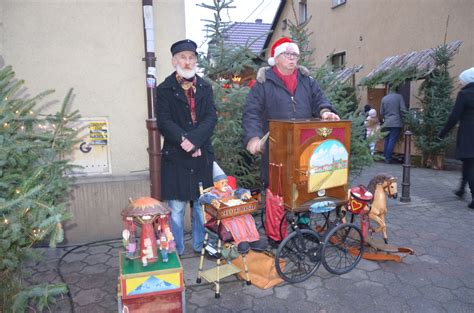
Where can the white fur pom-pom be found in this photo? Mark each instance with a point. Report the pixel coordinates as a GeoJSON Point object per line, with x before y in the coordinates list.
{"type": "Point", "coordinates": [271, 61]}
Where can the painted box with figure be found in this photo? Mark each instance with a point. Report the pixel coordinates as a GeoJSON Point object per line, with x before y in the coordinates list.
{"type": "Point", "coordinates": [155, 279]}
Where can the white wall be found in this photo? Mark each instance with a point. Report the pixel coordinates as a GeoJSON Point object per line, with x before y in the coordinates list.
{"type": "Point", "coordinates": [96, 47]}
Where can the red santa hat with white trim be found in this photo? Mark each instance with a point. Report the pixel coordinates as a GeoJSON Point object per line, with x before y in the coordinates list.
{"type": "Point", "coordinates": [280, 46]}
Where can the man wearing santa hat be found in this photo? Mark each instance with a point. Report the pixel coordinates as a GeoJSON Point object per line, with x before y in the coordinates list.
{"type": "Point", "coordinates": [282, 91]}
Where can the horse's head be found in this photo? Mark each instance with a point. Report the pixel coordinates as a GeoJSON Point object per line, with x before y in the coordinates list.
{"type": "Point", "coordinates": [390, 186]}
{"type": "Point", "coordinates": [387, 182]}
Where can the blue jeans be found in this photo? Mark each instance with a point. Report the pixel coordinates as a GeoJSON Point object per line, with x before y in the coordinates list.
{"type": "Point", "coordinates": [390, 141]}
{"type": "Point", "coordinates": [178, 208]}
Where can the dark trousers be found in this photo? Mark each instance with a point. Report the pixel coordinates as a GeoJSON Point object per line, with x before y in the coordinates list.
{"type": "Point", "coordinates": [389, 141]}
{"type": "Point", "coordinates": [468, 174]}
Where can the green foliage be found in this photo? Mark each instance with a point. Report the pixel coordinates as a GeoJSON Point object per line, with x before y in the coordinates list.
{"type": "Point", "coordinates": [220, 65]}
{"type": "Point", "coordinates": [222, 62]}
{"type": "Point", "coordinates": [436, 105]}
{"type": "Point", "coordinates": [343, 97]}
{"type": "Point", "coordinates": [33, 187]}
{"type": "Point", "coordinates": [394, 77]}
{"type": "Point", "coordinates": [300, 35]}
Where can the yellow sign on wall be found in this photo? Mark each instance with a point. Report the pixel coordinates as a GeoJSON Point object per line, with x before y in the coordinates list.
{"type": "Point", "coordinates": [92, 152]}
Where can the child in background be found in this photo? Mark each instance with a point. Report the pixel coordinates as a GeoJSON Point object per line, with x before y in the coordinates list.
{"type": "Point", "coordinates": [372, 127]}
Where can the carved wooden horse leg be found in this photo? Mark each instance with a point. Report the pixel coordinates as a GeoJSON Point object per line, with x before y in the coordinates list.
{"type": "Point", "coordinates": [380, 220]}
{"type": "Point", "coordinates": [383, 186]}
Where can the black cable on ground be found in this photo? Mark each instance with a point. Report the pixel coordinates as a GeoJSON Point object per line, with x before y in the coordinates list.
{"type": "Point", "coordinates": [58, 265]}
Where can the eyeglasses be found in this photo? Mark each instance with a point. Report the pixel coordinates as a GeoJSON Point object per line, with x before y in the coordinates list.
{"type": "Point", "coordinates": [291, 55]}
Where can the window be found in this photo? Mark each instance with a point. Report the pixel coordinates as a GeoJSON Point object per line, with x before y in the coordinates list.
{"type": "Point", "coordinates": [336, 3]}
{"type": "Point", "coordinates": [338, 60]}
{"type": "Point", "coordinates": [303, 11]}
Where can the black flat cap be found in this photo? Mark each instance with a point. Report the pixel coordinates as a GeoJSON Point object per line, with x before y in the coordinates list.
{"type": "Point", "coordinates": [183, 45]}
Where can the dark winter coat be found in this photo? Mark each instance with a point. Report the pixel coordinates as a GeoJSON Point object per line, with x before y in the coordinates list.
{"type": "Point", "coordinates": [463, 112]}
{"type": "Point", "coordinates": [270, 99]}
{"type": "Point", "coordinates": [180, 172]}
{"type": "Point", "coordinates": [392, 110]}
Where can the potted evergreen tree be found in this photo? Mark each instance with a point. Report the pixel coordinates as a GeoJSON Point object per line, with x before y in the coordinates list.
{"type": "Point", "coordinates": [436, 104]}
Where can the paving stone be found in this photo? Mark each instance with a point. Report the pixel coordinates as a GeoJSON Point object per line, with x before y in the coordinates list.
{"type": "Point", "coordinates": [458, 307]}
{"type": "Point", "coordinates": [367, 265]}
{"type": "Point", "coordinates": [92, 308]}
{"type": "Point", "coordinates": [99, 249]}
{"type": "Point", "coordinates": [356, 275]}
{"type": "Point", "coordinates": [272, 304]}
{"type": "Point", "coordinates": [289, 292]}
{"type": "Point", "coordinates": [97, 259]}
{"type": "Point", "coordinates": [257, 292]}
{"type": "Point", "coordinates": [429, 259]}
{"type": "Point", "coordinates": [88, 282]}
{"type": "Point", "coordinates": [72, 267]}
{"type": "Point", "coordinates": [215, 308]}
{"type": "Point", "coordinates": [382, 277]}
{"type": "Point", "coordinates": [73, 257]}
{"type": "Point", "coordinates": [464, 294]}
{"type": "Point", "coordinates": [448, 279]}
{"type": "Point", "coordinates": [88, 296]}
{"type": "Point", "coordinates": [322, 296]}
{"type": "Point", "coordinates": [96, 269]}
{"type": "Point", "coordinates": [403, 291]}
{"type": "Point", "coordinates": [425, 306]}
{"type": "Point", "coordinates": [388, 304]}
{"type": "Point", "coordinates": [436, 293]}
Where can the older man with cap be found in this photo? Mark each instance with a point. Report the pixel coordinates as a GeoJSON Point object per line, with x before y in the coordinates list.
{"type": "Point", "coordinates": [186, 117]}
{"type": "Point", "coordinates": [282, 91]}
{"type": "Point", "coordinates": [463, 112]}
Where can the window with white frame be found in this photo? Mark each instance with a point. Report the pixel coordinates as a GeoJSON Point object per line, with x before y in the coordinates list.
{"type": "Point", "coordinates": [303, 11]}
{"type": "Point", "coordinates": [336, 3]}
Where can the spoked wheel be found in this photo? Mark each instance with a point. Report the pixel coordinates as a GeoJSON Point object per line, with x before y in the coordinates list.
{"type": "Point", "coordinates": [342, 249]}
{"type": "Point", "coordinates": [298, 255]}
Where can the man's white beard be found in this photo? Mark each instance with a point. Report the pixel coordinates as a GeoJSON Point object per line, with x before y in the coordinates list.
{"type": "Point", "coordinates": [186, 73]}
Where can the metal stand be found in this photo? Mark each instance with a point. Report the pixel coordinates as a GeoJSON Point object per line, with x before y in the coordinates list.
{"type": "Point", "coordinates": [406, 169]}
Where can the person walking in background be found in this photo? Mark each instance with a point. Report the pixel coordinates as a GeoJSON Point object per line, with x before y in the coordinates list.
{"type": "Point", "coordinates": [463, 112]}
{"type": "Point", "coordinates": [372, 127]}
{"type": "Point", "coordinates": [392, 111]}
{"type": "Point", "coordinates": [186, 117]}
{"type": "Point", "coordinates": [282, 91]}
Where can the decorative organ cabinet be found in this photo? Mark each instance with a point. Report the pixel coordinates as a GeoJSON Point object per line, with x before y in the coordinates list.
{"type": "Point", "coordinates": [311, 157]}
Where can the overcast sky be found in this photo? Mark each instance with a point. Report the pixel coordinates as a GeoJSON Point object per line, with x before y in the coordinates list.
{"type": "Point", "coordinates": [244, 11]}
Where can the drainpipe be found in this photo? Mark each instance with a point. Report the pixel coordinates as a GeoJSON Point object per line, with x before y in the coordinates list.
{"type": "Point", "coordinates": [154, 139]}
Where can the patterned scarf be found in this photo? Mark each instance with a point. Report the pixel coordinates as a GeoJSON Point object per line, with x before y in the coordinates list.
{"type": "Point", "coordinates": [189, 87]}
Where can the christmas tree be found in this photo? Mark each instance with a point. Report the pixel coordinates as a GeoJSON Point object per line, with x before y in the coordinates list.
{"type": "Point", "coordinates": [436, 105]}
{"type": "Point", "coordinates": [33, 187]}
{"type": "Point", "coordinates": [222, 66]}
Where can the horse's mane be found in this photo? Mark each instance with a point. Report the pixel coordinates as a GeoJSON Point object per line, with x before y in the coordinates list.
{"type": "Point", "coordinates": [378, 179]}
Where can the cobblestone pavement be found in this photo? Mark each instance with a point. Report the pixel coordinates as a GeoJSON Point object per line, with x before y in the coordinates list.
{"type": "Point", "coordinates": [438, 278]}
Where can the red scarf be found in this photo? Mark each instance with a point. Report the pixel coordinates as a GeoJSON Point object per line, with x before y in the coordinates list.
{"type": "Point", "coordinates": [189, 87]}
{"type": "Point", "coordinates": [290, 81]}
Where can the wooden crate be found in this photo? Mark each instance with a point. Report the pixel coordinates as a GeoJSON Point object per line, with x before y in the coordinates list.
{"type": "Point", "coordinates": [155, 279]}
{"type": "Point", "coordinates": [173, 302]}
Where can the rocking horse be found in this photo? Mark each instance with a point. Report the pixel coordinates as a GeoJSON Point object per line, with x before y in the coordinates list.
{"type": "Point", "coordinates": [371, 204]}
{"type": "Point", "coordinates": [381, 186]}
